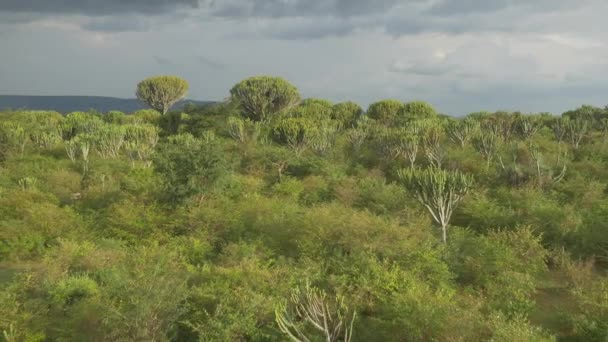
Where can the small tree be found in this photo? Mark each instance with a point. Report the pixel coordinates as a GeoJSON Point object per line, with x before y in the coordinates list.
{"type": "Point", "coordinates": [162, 92]}
{"type": "Point", "coordinates": [310, 306]}
{"type": "Point", "coordinates": [140, 142]}
{"type": "Point", "coordinates": [461, 131]}
{"type": "Point", "coordinates": [432, 135]}
{"type": "Point", "coordinates": [109, 140]}
{"type": "Point", "coordinates": [438, 190]}
{"type": "Point", "coordinates": [485, 144]}
{"type": "Point", "coordinates": [260, 97]}
{"type": "Point", "coordinates": [528, 125]}
{"type": "Point", "coordinates": [80, 147]}
{"type": "Point", "coordinates": [575, 131]}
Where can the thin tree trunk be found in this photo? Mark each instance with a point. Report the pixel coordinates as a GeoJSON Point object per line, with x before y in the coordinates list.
{"type": "Point", "coordinates": [444, 231]}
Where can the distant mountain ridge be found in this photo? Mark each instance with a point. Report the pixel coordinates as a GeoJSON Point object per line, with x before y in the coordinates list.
{"type": "Point", "coordinates": [66, 104]}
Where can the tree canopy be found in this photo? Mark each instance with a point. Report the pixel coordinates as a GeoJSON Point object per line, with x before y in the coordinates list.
{"type": "Point", "coordinates": [260, 97]}
{"type": "Point", "coordinates": [162, 92]}
{"type": "Point", "coordinates": [268, 218]}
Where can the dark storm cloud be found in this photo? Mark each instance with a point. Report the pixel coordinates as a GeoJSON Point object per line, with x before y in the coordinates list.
{"type": "Point", "coordinates": [95, 7]}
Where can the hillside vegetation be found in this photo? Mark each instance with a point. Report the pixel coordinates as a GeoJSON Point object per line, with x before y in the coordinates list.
{"type": "Point", "coordinates": [272, 218]}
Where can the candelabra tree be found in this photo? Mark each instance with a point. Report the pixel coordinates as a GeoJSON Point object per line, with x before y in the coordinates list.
{"type": "Point", "coordinates": [439, 191]}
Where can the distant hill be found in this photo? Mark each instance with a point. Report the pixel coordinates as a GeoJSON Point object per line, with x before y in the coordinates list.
{"type": "Point", "coordinates": [66, 104]}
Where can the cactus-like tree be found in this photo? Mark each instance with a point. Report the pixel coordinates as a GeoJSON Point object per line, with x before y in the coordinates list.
{"type": "Point", "coordinates": [438, 190]}
{"type": "Point", "coordinates": [576, 129]}
{"type": "Point", "coordinates": [162, 92]}
{"type": "Point", "coordinates": [261, 97]}
{"type": "Point", "coordinates": [432, 135]}
{"type": "Point", "coordinates": [528, 125]}
{"type": "Point", "coordinates": [311, 307]}
{"type": "Point", "coordinates": [461, 131]}
{"type": "Point", "coordinates": [140, 142]}
{"type": "Point", "coordinates": [485, 144]}
{"type": "Point", "coordinates": [79, 147]}
{"type": "Point", "coordinates": [109, 140]}
{"type": "Point", "coordinates": [386, 111]}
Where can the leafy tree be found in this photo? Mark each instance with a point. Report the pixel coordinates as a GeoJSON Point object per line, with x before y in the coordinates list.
{"type": "Point", "coordinates": [438, 190]}
{"type": "Point", "coordinates": [189, 167]}
{"type": "Point", "coordinates": [162, 92]}
{"type": "Point", "coordinates": [261, 97]}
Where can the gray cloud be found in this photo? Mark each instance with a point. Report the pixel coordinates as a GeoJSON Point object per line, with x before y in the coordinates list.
{"type": "Point", "coordinates": [459, 7]}
{"type": "Point", "coordinates": [163, 61]}
{"type": "Point", "coordinates": [297, 8]}
{"type": "Point", "coordinates": [462, 55]}
{"type": "Point", "coordinates": [438, 69]}
{"type": "Point", "coordinates": [118, 24]}
{"type": "Point", "coordinates": [206, 61]}
{"type": "Point", "coordinates": [95, 7]}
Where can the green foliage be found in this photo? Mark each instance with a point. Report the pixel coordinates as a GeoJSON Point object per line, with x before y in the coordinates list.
{"type": "Point", "coordinates": [386, 112]}
{"type": "Point", "coordinates": [348, 113]}
{"type": "Point", "coordinates": [261, 97]}
{"type": "Point", "coordinates": [188, 166]}
{"type": "Point", "coordinates": [162, 92]}
{"type": "Point", "coordinates": [503, 264]}
{"type": "Point", "coordinates": [195, 226]}
{"type": "Point", "coordinates": [417, 110]}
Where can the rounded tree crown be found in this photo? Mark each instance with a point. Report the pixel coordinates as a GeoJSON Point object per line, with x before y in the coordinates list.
{"type": "Point", "coordinates": [162, 92]}
{"type": "Point", "coordinates": [385, 111]}
{"type": "Point", "coordinates": [419, 110]}
{"type": "Point", "coordinates": [262, 96]}
{"type": "Point", "coordinates": [347, 112]}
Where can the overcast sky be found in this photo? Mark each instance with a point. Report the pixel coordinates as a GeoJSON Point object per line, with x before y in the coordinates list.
{"type": "Point", "coordinates": [460, 55]}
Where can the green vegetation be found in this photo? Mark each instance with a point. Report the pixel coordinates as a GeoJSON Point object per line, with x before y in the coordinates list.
{"type": "Point", "coordinates": [272, 218]}
{"type": "Point", "coordinates": [162, 92]}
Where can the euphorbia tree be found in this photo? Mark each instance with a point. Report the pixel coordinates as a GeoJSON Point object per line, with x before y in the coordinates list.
{"type": "Point", "coordinates": [260, 97]}
{"type": "Point", "coordinates": [485, 143]}
{"type": "Point", "coordinates": [461, 131]}
{"type": "Point", "coordinates": [162, 92]}
{"type": "Point", "coordinates": [438, 190]}
{"type": "Point", "coordinates": [386, 111]}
